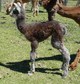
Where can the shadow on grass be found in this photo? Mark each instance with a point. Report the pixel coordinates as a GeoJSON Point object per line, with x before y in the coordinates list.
{"type": "Point", "coordinates": [57, 57]}
{"type": "Point", "coordinates": [49, 71]}
{"type": "Point", "coordinates": [23, 66]}
{"type": "Point", "coordinates": [72, 58]}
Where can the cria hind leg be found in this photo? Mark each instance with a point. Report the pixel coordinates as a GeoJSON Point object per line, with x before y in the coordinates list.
{"type": "Point", "coordinates": [66, 59]}
{"type": "Point", "coordinates": [34, 46]}
{"type": "Point", "coordinates": [56, 43]}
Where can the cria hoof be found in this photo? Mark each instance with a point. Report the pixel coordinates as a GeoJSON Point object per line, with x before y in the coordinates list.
{"type": "Point", "coordinates": [30, 73]}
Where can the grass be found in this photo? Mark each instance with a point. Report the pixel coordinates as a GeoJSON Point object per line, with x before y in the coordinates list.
{"type": "Point", "coordinates": [15, 49]}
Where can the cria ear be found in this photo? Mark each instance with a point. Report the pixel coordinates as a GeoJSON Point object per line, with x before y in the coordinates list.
{"type": "Point", "coordinates": [15, 4]}
{"type": "Point", "coordinates": [19, 4]}
{"type": "Point", "coordinates": [22, 10]}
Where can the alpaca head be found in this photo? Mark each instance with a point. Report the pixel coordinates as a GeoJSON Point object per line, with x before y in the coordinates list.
{"type": "Point", "coordinates": [17, 10]}
{"type": "Point", "coordinates": [8, 8]}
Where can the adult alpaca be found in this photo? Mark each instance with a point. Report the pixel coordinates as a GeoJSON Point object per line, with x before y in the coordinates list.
{"type": "Point", "coordinates": [53, 6]}
{"type": "Point", "coordinates": [40, 31]}
{"type": "Point", "coordinates": [35, 6]}
{"type": "Point", "coordinates": [69, 12]}
{"type": "Point", "coordinates": [48, 5]}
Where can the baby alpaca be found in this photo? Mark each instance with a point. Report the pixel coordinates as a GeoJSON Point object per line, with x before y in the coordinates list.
{"type": "Point", "coordinates": [40, 31]}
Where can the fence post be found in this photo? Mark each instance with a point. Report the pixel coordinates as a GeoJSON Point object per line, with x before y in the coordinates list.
{"type": "Point", "coordinates": [0, 4]}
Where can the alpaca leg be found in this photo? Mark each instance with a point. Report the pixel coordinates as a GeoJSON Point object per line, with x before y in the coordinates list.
{"type": "Point", "coordinates": [66, 59]}
{"type": "Point", "coordinates": [34, 45]}
{"type": "Point", "coordinates": [35, 8]}
{"type": "Point", "coordinates": [56, 43]}
{"type": "Point", "coordinates": [35, 11]}
{"type": "Point", "coordinates": [50, 16]}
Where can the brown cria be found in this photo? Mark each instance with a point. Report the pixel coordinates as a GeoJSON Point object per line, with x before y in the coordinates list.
{"type": "Point", "coordinates": [69, 12]}
{"type": "Point", "coordinates": [40, 31]}
{"type": "Point", "coordinates": [35, 6]}
{"type": "Point", "coordinates": [74, 64]}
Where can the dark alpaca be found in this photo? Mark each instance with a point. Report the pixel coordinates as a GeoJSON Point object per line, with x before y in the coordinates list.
{"type": "Point", "coordinates": [40, 31]}
{"type": "Point", "coordinates": [53, 6]}
{"type": "Point", "coordinates": [74, 64]}
{"type": "Point", "coordinates": [69, 12]}
{"type": "Point", "coordinates": [48, 5]}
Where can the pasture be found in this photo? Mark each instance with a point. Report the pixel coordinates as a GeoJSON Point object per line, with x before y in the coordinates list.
{"type": "Point", "coordinates": [15, 50]}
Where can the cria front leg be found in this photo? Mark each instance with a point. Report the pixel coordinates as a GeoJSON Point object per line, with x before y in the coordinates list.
{"type": "Point", "coordinates": [34, 45]}
{"type": "Point", "coordinates": [32, 64]}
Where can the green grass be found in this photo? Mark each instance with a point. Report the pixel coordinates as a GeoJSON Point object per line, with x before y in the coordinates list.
{"type": "Point", "coordinates": [15, 49]}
